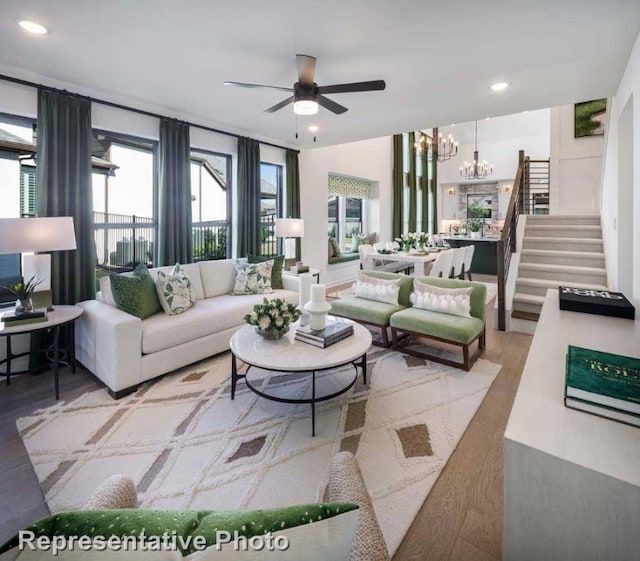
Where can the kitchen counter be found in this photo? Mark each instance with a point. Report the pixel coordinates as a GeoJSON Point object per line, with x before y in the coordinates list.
{"type": "Point", "coordinates": [485, 256]}
{"type": "Point", "coordinates": [465, 238]}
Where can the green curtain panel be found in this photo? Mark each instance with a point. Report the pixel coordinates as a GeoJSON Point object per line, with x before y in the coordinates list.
{"type": "Point", "coordinates": [175, 239]}
{"type": "Point", "coordinates": [292, 206]}
{"type": "Point", "coordinates": [424, 188]}
{"type": "Point", "coordinates": [413, 188]}
{"type": "Point", "coordinates": [398, 180]}
{"type": "Point", "coordinates": [248, 197]}
{"type": "Point", "coordinates": [64, 189]}
{"type": "Point", "coordinates": [435, 227]}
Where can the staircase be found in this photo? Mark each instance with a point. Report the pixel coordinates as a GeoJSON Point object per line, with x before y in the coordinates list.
{"type": "Point", "coordinates": [557, 250]}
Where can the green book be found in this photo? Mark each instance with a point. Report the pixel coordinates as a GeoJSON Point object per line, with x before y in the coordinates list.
{"type": "Point", "coordinates": [26, 321]}
{"type": "Point", "coordinates": [603, 384]}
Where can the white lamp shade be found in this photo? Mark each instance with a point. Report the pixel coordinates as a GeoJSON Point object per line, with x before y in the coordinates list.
{"type": "Point", "coordinates": [290, 227]}
{"type": "Point", "coordinates": [26, 235]}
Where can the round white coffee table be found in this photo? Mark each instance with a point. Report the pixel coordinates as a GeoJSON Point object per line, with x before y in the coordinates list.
{"type": "Point", "coordinates": [288, 355]}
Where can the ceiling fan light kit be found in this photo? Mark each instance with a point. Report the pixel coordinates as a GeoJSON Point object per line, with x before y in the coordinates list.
{"type": "Point", "coordinates": [307, 95]}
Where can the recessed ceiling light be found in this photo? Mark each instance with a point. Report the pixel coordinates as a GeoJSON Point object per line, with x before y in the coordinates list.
{"type": "Point", "coordinates": [33, 27]}
{"type": "Point", "coordinates": [499, 86]}
{"type": "Point", "coordinates": [313, 128]}
{"type": "Point", "coordinates": [487, 118]}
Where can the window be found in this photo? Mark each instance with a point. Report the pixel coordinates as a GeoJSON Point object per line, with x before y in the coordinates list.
{"type": "Point", "coordinates": [124, 187]}
{"type": "Point", "coordinates": [346, 218]}
{"type": "Point", "coordinates": [270, 200]}
{"type": "Point", "coordinates": [210, 205]}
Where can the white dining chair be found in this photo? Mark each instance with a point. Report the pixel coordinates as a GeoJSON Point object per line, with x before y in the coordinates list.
{"type": "Point", "coordinates": [457, 262]}
{"type": "Point", "coordinates": [378, 246]}
{"type": "Point", "coordinates": [442, 264]}
{"type": "Point", "coordinates": [392, 246]}
{"type": "Point", "coordinates": [468, 259]}
{"type": "Point", "coordinates": [363, 251]}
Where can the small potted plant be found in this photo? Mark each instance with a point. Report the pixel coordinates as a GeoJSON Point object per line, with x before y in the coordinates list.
{"type": "Point", "coordinates": [475, 220]}
{"type": "Point", "coordinates": [272, 318]}
{"type": "Point", "coordinates": [23, 293]}
{"type": "Point", "coordinates": [407, 241]}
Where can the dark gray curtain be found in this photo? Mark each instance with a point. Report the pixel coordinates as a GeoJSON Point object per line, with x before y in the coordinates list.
{"type": "Point", "coordinates": [413, 188]}
{"type": "Point", "coordinates": [398, 185]}
{"type": "Point", "coordinates": [292, 206]}
{"type": "Point", "coordinates": [175, 239]}
{"type": "Point", "coordinates": [424, 188]}
{"type": "Point", "coordinates": [64, 189]}
{"type": "Point", "coordinates": [248, 197]}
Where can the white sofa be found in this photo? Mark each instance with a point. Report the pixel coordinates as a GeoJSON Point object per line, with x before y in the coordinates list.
{"type": "Point", "coordinates": [124, 351]}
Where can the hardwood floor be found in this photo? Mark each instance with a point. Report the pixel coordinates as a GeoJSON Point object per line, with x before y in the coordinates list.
{"type": "Point", "coordinates": [461, 519]}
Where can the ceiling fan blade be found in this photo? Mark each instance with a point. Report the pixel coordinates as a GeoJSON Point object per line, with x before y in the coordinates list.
{"type": "Point", "coordinates": [331, 105]}
{"type": "Point", "coordinates": [257, 86]}
{"type": "Point", "coordinates": [306, 69]}
{"type": "Point", "coordinates": [279, 106]}
{"type": "Point", "coordinates": [374, 85]}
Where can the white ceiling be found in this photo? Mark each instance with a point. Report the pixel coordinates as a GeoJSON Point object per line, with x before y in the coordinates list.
{"type": "Point", "coordinates": [438, 59]}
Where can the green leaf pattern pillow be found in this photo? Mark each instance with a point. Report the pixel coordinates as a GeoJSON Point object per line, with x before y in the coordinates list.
{"type": "Point", "coordinates": [175, 291]}
{"type": "Point", "coordinates": [253, 278]}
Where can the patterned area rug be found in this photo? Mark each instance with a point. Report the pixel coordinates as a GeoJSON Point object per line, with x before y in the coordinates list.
{"type": "Point", "coordinates": [187, 445]}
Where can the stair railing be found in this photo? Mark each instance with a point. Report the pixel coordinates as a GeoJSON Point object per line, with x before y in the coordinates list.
{"type": "Point", "coordinates": [507, 241]}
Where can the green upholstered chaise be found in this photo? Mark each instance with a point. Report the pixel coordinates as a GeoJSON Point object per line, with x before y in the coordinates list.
{"type": "Point", "coordinates": [454, 330]}
{"type": "Point", "coordinates": [370, 312]}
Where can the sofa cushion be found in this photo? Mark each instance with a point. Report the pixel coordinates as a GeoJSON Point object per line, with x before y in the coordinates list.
{"type": "Point", "coordinates": [192, 270]}
{"type": "Point", "coordinates": [218, 276]}
{"type": "Point", "coordinates": [136, 293]}
{"type": "Point", "coordinates": [253, 278]}
{"type": "Point", "coordinates": [478, 296]}
{"type": "Point", "coordinates": [435, 324]}
{"type": "Point", "coordinates": [380, 290]}
{"type": "Point", "coordinates": [175, 291]}
{"type": "Point", "coordinates": [209, 316]}
{"type": "Point", "coordinates": [454, 301]}
{"type": "Point", "coordinates": [367, 311]}
{"type": "Point", "coordinates": [276, 272]}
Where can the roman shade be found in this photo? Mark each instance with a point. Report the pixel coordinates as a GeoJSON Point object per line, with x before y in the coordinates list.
{"type": "Point", "coordinates": [346, 186]}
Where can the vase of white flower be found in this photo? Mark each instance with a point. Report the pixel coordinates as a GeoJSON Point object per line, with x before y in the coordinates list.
{"type": "Point", "coordinates": [272, 318]}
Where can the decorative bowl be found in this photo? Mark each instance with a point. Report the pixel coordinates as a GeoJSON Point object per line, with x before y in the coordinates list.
{"type": "Point", "coordinates": [271, 334]}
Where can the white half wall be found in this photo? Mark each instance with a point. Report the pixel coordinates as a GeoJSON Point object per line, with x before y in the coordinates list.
{"type": "Point", "coordinates": [620, 196]}
{"type": "Point", "coordinates": [576, 166]}
{"type": "Point", "coordinates": [369, 159]}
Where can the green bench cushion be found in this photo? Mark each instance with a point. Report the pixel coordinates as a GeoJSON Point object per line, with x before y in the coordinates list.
{"type": "Point", "coordinates": [344, 258]}
{"type": "Point", "coordinates": [435, 324]}
{"type": "Point", "coordinates": [367, 311]}
{"type": "Point", "coordinates": [478, 296]}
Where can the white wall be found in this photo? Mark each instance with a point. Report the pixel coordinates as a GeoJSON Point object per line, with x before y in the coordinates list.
{"type": "Point", "coordinates": [621, 182]}
{"type": "Point", "coordinates": [368, 159]}
{"type": "Point", "coordinates": [576, 165]}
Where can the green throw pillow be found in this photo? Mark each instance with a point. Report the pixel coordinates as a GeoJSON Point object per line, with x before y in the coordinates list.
{"type": "Point", "coordinates": [358, 240]}
{"type": "Point", "coordinates": [136, 293]}
{"type": "Point", "coordinates": [107, 523]}
{"type": "Point", "coordinates": [335, 247]}
{"type": "Point", "coordinates": [276, 272]}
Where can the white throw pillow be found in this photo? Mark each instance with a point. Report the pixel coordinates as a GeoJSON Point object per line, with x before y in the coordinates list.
{"type": "Point", "coordinates": [253, 278]}
{"type": "Point", "coordinates": [453, 301]}
{"type": "Point", "coordinates": [175, 291]}
{"type": "Point", "coordinates": [380, 290]}
{"type": "Point", "coordinates": [106, 295]}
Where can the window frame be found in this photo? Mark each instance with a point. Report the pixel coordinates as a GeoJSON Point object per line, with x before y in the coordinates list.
{"type": "Point", "coordinates": [279, 200]}
{"type": "Point", "coordinates": [342, 222]}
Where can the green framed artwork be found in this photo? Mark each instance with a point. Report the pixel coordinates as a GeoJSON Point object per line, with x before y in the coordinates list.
{"type": "Point", "coordinates": [590, 117]}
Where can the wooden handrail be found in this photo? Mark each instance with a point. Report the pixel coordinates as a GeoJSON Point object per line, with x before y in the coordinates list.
{"type": "Point", "coordinates": [507, 242]}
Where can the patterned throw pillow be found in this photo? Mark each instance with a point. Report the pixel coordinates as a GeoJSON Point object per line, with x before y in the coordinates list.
{"type": "Point", "coordinates": [380, 290]}
{"type": "Point", "coordinates": [276, 272]}
{"type": "Point", "coordinates": [357, 240]}
{"type": "Point", "coordinates": [453, 301]}
{"type": "Point", "coordinates": [136, 293]}
{"type": "Point", "coordinates": [175, 292]}
{"type": "Point", "coordinates": [253, 278]}
{"type": "Point", "coordinates": [334, 247]}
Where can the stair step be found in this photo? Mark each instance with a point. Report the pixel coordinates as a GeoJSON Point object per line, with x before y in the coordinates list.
{"type": "Point", "coordinates": [563, 273]}
{"type": "Point", "coordinates": [549, 219]}
{"type": "Point", "coordinates": [527, 303]}
{"type": "Point", "coordinates": [562, 231]}
{"type": "Point", "coordinates": [563, 244]}
{"type": "Point", "coordinates": [563, 257]}
{"type": "Point", "coordinates": [529, 316]}
{"type": "Point", "coordinates": [539, 287]}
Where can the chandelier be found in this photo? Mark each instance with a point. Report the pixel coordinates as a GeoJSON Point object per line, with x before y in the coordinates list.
{"type": "Point", "coordinates": [476, 169]}
{"type": "Point", "coordinates": [446, 147]}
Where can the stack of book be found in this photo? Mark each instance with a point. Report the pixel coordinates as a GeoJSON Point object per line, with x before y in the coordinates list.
{"type": "Point", "coordinates": [603, 384]}
{"type": "Point", "coordinates": [323, 338]}
{"type": "Point", "coordinates": [11, 319]}
{"type": "Point", "coordinates": [299, 269]}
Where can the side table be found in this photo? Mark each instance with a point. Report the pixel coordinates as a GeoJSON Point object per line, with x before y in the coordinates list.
{"type": "Point", "coordinates": [312, 271]}
{"type": "Point", "coordinates": [57, 318]}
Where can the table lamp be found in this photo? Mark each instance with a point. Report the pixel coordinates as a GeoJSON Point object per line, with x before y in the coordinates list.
{"type": "Point", "coordinates": [31, 236]}
{"type": "Point", "coordinates": [290, 228]}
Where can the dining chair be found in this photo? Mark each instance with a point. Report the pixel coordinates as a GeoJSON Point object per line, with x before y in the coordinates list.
{"type": "Point", "coordinates": [468, 258]}
{"type": "Point", "coordinates": [363, 251]}
{"type": "Point", "coordinates": [379, 246]}
{"type": "Point", "coordinates": [457, 263]}
{"type": "Point", "coordinates": [442, 264]}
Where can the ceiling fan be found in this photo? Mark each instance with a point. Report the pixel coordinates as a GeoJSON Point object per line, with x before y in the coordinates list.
{"type": "Point", "coordinates": [307, 95]}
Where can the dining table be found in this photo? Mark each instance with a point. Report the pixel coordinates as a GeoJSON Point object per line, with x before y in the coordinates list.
{"type": "Point", "coordinates": [418, 259]}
